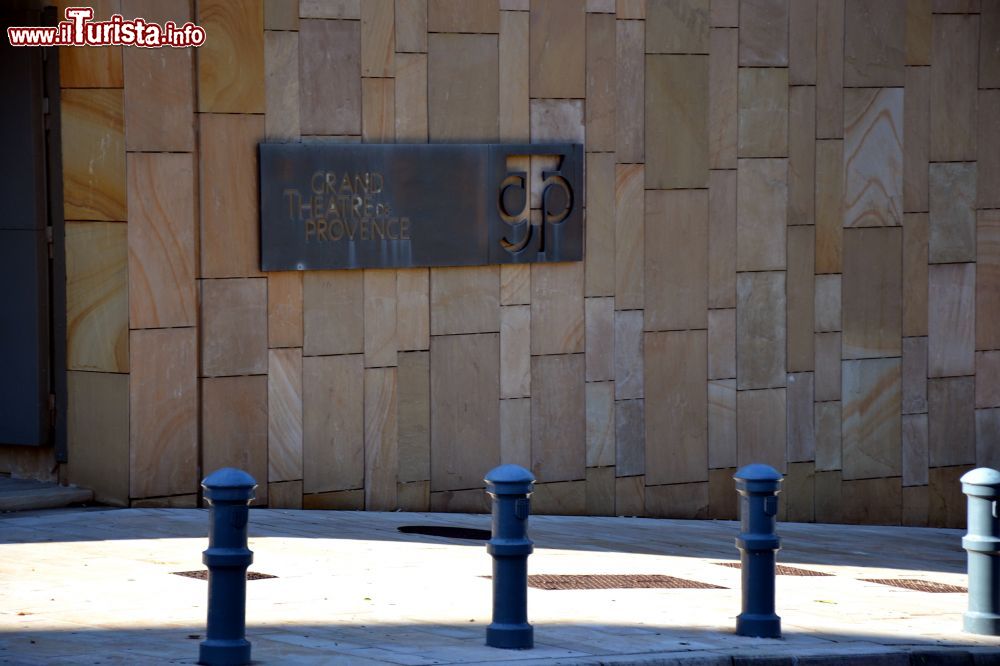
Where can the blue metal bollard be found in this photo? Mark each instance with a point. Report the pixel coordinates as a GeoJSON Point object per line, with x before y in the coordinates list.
{"type": "Point", "coordinates": [510, 487]}
{"type": "Point", "coordinates": [228, 492]}
{"type": "Point", "coordinates": [982, 542]}
{"type": "Point", "coordinates": [758, 486]}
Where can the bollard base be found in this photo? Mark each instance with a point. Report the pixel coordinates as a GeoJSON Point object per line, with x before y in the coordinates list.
{"type": "Point", "coordinates": [510, 636]}
{"type": "Point", "coordinates": [987, 624]}
{"type": "Point", "coordinates": [758, 626]}
{"type": "Point", "coordinates": [220, 652]}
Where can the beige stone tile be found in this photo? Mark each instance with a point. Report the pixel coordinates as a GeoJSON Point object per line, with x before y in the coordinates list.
{"type": "Point", "coordinates": [914, 448]}
{"type": "Point", "coordinates": [988, 279]}
{"type": "Point", "coordinates": [798, 493]}
{"type": "Point", "coordinates": [801, 154]}
{"type": "Point", "coordinates": [413, 496]}
{"type": "Point", "coordinates": [827, 295]}
{"type": "Point", "coordinates": [330, 51]}
{"type": "Point", "coordinates": [916, 500]}
{"type": "Point", "coordinates": [871, 423]}
{"type": "Point", "coordinates": [227, 168]}
{"type": "Point", "coordinates": [802, 43]}
{"type": "Point", "coordinates": [411, 27]}
{"type": "Point", "coordinates": [677, 401]}
{"type": "Point", "coordinates": [413, 309]}
{"type": "Point", "coordinates": [724, 13]}
{"type": "Point", "coordinates": [285, 494]}
{"type": "Point", "coordinates": [628, 354]}
{"type": "Point", "coordinates": [872, 292]}
{"type": "Point", "coordinates": [630, 494]}
{"type": "Point", "coordinates": [874, 43]}
{"type": "Point", "coordinates": [333, 317]}
{"type": "Point", "coordinates": [231, 61]}
{"type": "Point", "coordinates": [682, 500]}
{"type": "Point", "coordinates": [723, 86]}
{"type": "Point", "coordinates": [988, 165]}
{"type": "Point", "coordinates": [465, 380]}
{"type": "Point", "coordinates": [723, 502]}
{"type": "Point", "coordinates": [947, 504]}
{"type": "Point", "coordinates": [916, 138]}
{"type": "Point", "coordinates": [159, 90]}
{"type": "Point", "coordinates": [722, 239]}
{"type": "Point", "coordinates": [461, 501]}
{"type": "Point", "coordinates": [414, 386]}
{"type": "Point", "coordinates": [630, 437]}
{"type": "Point", "coordinates": [381, 438]}
{"type": "Point", "coordinates": [411, 97]}
{"type": "Point", "coordinates": [339, 500]}
{"type": "Point", "coordinates": [676, 128]}
{"type": "Point", "coordinates": [92, 67]}
{"type": "Point", "coordinates": [234, 327]}
{"type": "Point", "coordinates": [800, 295]}
{"type": "Point", "coordinates": [333, 424]}
{"type": "Point", "coordinates": [722, 423]}
{"type": "Point", "coordinates": [515, 284]}
{"type": "Point", "coordinates": [93, 154]}
{"type": "Point", "coordinates": [517, 5]}
{"type": "Point", "coordinates": [915, 236]}
{"type": "Point", "coordinates": [952, 236]}
{"type": "Point", "coordinates": [952, 311]}
{"type": "Point", "coordinates": [515, 432]}
{"type": "Point", "coordinates": [600, 405]}
{"type": "Point", "coordinates": [463, 87]}
{"type": "Point", "coordinates": [568, 498]}
{"type": "Point", "coordinates": [630, 9]}
{"type": "Point", "coordinates": [760, 330]}
{"type": "Point", "coordinates": [284, 309]}
{"type": "Point", "coordinates": [557, 52]}
{"type": "Point", "coordinates": [284, 415]}
{"type": "Point", "coordinates": [677, 26]}
{"type": "Point", "coordinates": [830, 69]}
{"type": "Point", "coordinates": [800, 426]}
{"type": "Point", "coordinates": [600, 338]}
{"type": "Point", "coordinates": [828, 366]}
{"type": "Point", "coordinates": [601, 86]}
{"type": "Point", "coordinates": [599, 264]}
{"type": "Point", "coordinates": [954, 74]}
{"type": "Point", "coordinates": [163, 412]}
{"type": "Point", "coordinates": [827, 417]}
{"type": "Point", "coordinates": [631, 84]}
{"type": "Point", "coordinates": [829, 205]}
{"type": "Point", "coordinates": [380, 318]}
{"type": "Point", "coordinates": [914, 375]}
{"type": "Point", "coordinates": [760, 426]}
{"type": "Point", "coordinates": [330, 9]}
{"type": "Point", "coordinates": [761, 213]}
{"type": "Point", "coordinates": [281, 15]}
{"type": "Point", "coordinates": [465, 300]}
{"type": "Point", "coordinates": [873, 157]}
{"type": "Point", "coordinates": [599, 6]}
{"type": "Point", "coordinates": [951, 428]}
{"type": "Point", "coordinates": [558, 421]}
{"type": "Point", "coordinates": [514, 68]}
{"type": "Point", "coordinates": [515, 351]}
{"type": "Point", "coordinates": [829, 497]}
{"type": "Point", "coordinates": [378, 37]}
{"type": "Point", "coordinates": [989, 54]}
{"type": "Point", "coordinates": [987, 435]}
{"type": "Point", "coordinates": [722, 344]}
{"type": "Point", "coordinates": [557, 312]}
{"type": "Point", "coordinates": [97, 296]}
{"type": "Point", "coordinates": [671, 215]}
{"type": "Point", "coordinates": [873, 501]}
{"type": "Point", "coordinates": [161, 241]}
{"type": "Point", "coordinates": [378, 110]}
{"type": "Point", "coordinates": [600, 491]}
{"type": "Point", "coordinates": [463, 15]}
{"type": "Point", "coordinates": [763, 112]}
{"type": "Point", "coordinates": [629, 224]}
{"type": "Point", "coordinates": [764, 33]}
{"type": "Point", "coordinates": [98, 427]}
{"type": "Point", "coordinates": [988, 379]}
{"type": "Point", "coordinates": [234, 427]}
{"type": "Point", "coordinates": [918, 33]}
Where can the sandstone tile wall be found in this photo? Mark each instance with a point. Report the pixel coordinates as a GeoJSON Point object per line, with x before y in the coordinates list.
{"type": "Point", "coordinates": [792, 257]}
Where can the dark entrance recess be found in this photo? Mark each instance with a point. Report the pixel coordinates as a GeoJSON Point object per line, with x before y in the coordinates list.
{"type": "Point", "coordinates": [32, 244]}
{"type": "Point", "coordinates": [446, 532]}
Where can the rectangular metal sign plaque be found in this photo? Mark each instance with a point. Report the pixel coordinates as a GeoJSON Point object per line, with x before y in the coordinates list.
{"type": "Point", "coordinates": [328, 206]}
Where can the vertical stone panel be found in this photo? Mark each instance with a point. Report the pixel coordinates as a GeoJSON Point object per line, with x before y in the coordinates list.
{"type": "Point", "coordinates": [761, 213]}
{"type": "Point", "coordinates": [830, 69]}
{"type": "Point", "coordinates": [234, 327]}
{"type": "Point", "coordinates": [411, 26]}
{"type": "Point", "coordinates": [871, 423]}
{"type": "Point", "coordinates": [381, 439]}
{"type": "Point", "coordinates": [952, 236]}
{"type": "Point", "coordinates": [874, 43]}
{"type": "Point", "coordinates": [380, 317]}
{"type": "Point", "coordinates": [827, 317]}
{"type": "Point", "coordinates": [722, 423]}
{"type": "Point", "coordinates": [413, 309]}
{"type": "Point", "coordinates": [952, 312]}
{"type": "Point", "coordinates": [599, 264]}
{"type": "Point", "coordinates": [800, 426]}
{"type": "Point", "coordinates": [801, 155]}
{"type": "Point", "coordinates": [872, 501]}
{"type": "Point", "coordinates": [93, 67]}
{"type": "Point", "coordinates": [628, 354]}
{"type": "Point", "coordinates": [916, 138]}
{"type": "Point", "coordinates": [558, 421]}
{"type": "Point", "coordinates": [333, 303]}
{"type": "Point", "coordinates": [378, 110]}
{"type": "Point", "coordinates": [629, 183]}
{"type": "Point", "coordinates": [677, 26]}
{"type": "Point", "coordinates": [915, 238]}
{"type": "Point", "coordinates": [600, 399]}
{"type": "Point", "coordinates": [946, 503]}
{"type": "Point", "coordinates": [284, 309]}
{"type": "Point", "coordinates": [682, 500]}
{"type": "Point", "coordinates": [760, 424]}
{"type": "Point", "coordinates": [764, 33]}
{"type": "Point", "coordinates": [763, 112]}
{"type": "Point", "coordinates": [333, 423]}
{"type": "Point", "coordinates": [872, 292]}
{"type": "Point", "coordinates": [601, 88]}
{"type": "Point", "coordinates": [988, 279]}
{"type": "Point", "coordinates": [414, 387]}
{"type": "Point", "coordinates": [989, 51]}
{"type": "Point", "coordinates": [515, 351]}
{"type": "Point", "coordinates": [676, 121]}
{"type": "Point", "coordinates": [800, 294]}
{"type": "Point", "coordinates": [281, 85]}
{"type": "Point", "coordinates": [918, 32]}
{"type": "Point", "coordinates": [829, 205]}
{"type": "Point", "coordinates": [827, 418]}
{"type": "Point", "coordinates": [330, 77]}
{"type": "Point", "coordinates": [722, 98]}
{"type": "Point", "coordinates": [284, 415]}
{"type": "Point", "coordinates": [677, 271]}
{"type": "Point", "coordinates": [954, 59]}
{"type": "Point", "coordinates": [234, 427]}
{"type": "Point", "coordinates": [828, 366]}
{"type": "Point", "coordinates": [630, 437]}
{"type": "Point", "coordinates": [465, 300]}
{"type": "Point", "coordinates": [988, 139]}
{"type": "Point", "coordinates": [951, 426]}
{"type": "Point", "coordinates": [558, 57]}
{"type": "Point", "coordinates": [378, 38]}
{"type": "Point", "coordinates": [724, 13]}
{"type": "Point", "coordinates": [231, 61]}
{"type": "Point", "coordinates": [514, 72]}
{"type": "Point", "coordinates": [98, 432]}
{"type": "Point", "coordinates": [630, 77]}
{"type": "Point", "coordinates": [914, 449]}
{"type": "Point", "coordinates": [914, 375]}
{"type": "Point", "coordinates": [411, 98]}
{"type": "Point", "coordinates": [557, 315]}
{"type": "Point", "coordinates": [600, 339]}
{"type": "Point", "coordinates": [722, 239]}
{"type": "Point", "coordinates": [988, 379]}
{"type": "Point", "coordinates": [987, 435]}
{"type": "Point", "coordinates": [802, 43]}
{"type": "Point", "coordinates": [93, 149]}
{"type": "Point", "coordinates": [799, 491]}
{"type": "Point", "coordinates": [515, 432]}
{"type": "Point", "coordinates": [722, 344]}
{"type": "Point", "coordinates": [873, 157]}
{"type": "Point", "coordinates": [600, 491]}
{"type": "Point", "coordinates": [760, 330]}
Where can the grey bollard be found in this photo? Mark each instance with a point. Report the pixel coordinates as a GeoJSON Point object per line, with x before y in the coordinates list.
{"type": "Point", "coordinates": [228, 492]}
{"type": "Point", "coordinates": [758, 486]}
{"type": "Point", "coordinates": [982, 542]}
{"type": "Point", "coordinates": [510, 487]}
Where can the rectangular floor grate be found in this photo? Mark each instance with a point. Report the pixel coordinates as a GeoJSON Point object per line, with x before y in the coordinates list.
{"type": "Point", "coordinates": [916, 585]}
{"type": "Point", "coordinates": [781, 570]}
{"type": "Point", "coordinates": [202, 574]}
{"type": "Point", "coordinates": [615, 582]}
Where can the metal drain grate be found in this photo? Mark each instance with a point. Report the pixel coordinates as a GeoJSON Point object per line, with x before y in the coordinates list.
{"type": "Point", "coordinates": [447, 532]}
{"type": "Point", "coordinates": [202, 574]}
{"type": "Point", "coordinates": [916, 585]}
{"type": "Point", "coordinates": [781, 570]}
{"type": "Point", "coordinates": [615, 582]}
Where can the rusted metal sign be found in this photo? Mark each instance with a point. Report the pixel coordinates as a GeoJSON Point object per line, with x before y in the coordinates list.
{"type": "Point", "coordinates": [329, 206]}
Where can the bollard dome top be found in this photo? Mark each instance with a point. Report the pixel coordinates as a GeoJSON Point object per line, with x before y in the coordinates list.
{"type": "Point", "coordinates": [229, 477]}
{"type": "Point", "coordinates": [509, 474]}
{"type": "Point", "coordinates": [982, 476]}
{"type": "Point", "coordinates": [757, 472]}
